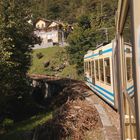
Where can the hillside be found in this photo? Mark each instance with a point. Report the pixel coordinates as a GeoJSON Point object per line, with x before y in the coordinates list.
{"type": "Point", "coordinates": [70, 10]}
{"type": "Point", "coordinates": [55, 59]}
{"type": "Point", "coordinates": [93, 22]}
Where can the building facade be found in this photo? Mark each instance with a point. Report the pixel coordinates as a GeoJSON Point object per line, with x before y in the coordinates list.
{"type": "Point", "coordinates": [51, 33]}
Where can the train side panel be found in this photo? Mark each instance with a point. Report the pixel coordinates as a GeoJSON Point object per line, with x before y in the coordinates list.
{"type": "Point", "coordinates": [98, 72]}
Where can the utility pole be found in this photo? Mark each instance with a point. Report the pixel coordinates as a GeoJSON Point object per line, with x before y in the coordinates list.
{"type": "Point", "coordinates": [106, 33]}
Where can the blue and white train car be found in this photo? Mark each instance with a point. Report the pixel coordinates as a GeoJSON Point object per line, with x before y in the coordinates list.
{"type": "Point", "coordinates": [100, 68]}
{"type": "Point", "coordinates": [99, 75]}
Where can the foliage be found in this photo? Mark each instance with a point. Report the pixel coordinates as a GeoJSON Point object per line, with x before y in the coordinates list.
{"type": "Point", "coordinates": [20, 128]}
{"type": "Point", "coordinates": [81, 40]}
{"type": "Point", "coordinates": [93, 28]}
{"type": "Point", "coordinates": [16, 41]}
{"type": "Point", "coordinates": [56, 9]}
{"type": "Point", "coordinates": [70, 10]}
{"type": "Point", "coordinates": [7, 123]}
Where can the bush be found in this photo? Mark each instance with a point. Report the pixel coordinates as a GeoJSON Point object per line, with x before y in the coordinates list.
{"type": "Point", "coordinates": [39, 55]}
{"type": "Point", "coordinates": [7, 123]}
{"type": "Point", "coordinates": [46, 64]}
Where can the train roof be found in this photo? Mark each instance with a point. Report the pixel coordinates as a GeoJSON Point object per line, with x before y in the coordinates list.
{"type": "Point", "coordinates": [102, 44]}
{"type": "Point", "coordinates": [90, 52]}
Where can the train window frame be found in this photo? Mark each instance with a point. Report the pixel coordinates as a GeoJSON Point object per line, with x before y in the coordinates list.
{"type": "Point", "coordinates": [97, 68]}
{"type": "Point", "coordinates": [106, 81]}
{"type": "Point", "coordinates": [102, 75]}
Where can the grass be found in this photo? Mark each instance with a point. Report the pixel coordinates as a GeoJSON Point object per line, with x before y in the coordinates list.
{"type": "Point", "coordinates": [49, 55]}
{"type": "Point", "coordinates": [57, 56]}
{"type": "Point", "coordinates": [20, 128]}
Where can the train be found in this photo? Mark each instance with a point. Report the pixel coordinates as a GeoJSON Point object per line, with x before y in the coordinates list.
{"type": "Point", "coordinates": [100, 72]}
{"type": "Point", "coordinates": [112, 69]}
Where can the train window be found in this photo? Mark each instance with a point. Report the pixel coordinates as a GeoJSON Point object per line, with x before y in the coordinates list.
{"type": "Point", "coordinates": [93, 69]}
{"type": "Point", "coordinates": [89, 68]}
{"type": "Point", "coordinates": [97, 70]}
{"type": "Point", "coordinates": [107, 70]}
{"type": "Point", "coordinates": [129, 68]}
{"type": "Point", "coordinates": [93, 75]}
{"type": "Point", "coordinates": [101, 70]}
{"type": "Point", "coordinates": [84, 66]}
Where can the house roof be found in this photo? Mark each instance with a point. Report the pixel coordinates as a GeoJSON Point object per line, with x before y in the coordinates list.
{"type": "Point", "coordinates": [50, 23]}
{"type": "Point", "coordinates": [43, 19]}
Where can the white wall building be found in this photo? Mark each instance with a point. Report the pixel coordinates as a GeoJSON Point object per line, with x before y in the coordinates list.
{"type": "Point", "coordinates": [51, 33]}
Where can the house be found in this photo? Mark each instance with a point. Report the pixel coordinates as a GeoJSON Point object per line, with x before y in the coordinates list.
{"type": "Point", "coordinates": [55, 33]}
{"type": "Point", "coordinates": [51, 33]}
{"type": "Point", "coordinates": [42, 23]}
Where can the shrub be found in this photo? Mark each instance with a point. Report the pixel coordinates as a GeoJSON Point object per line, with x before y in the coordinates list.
{"type": "Point", "coordinates": [39, 55]}
{"type": "Point", "coordinates": [7, 123]}
{"type": "Point", "coordinates": [46, 64]}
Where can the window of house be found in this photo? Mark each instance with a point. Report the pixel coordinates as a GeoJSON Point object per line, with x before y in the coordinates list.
{"type": "Point", "coordinates": [50, 40]}
{"type": "Point", "coordinates": [97, 70]}
{"type": "Point", "coordinates": [101, 70]}
{"type": "Point", "coordinates": [107, 71]}
{"type": "Point", "coordinates": [129, 68]}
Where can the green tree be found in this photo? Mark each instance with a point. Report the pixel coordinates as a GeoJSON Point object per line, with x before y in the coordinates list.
{"type": "Point", "coordinates": [16, 42]}
{"type": "Point", "coordinates": [96, 27]}
{"type": "Point", "coordinates": [80, 41]}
